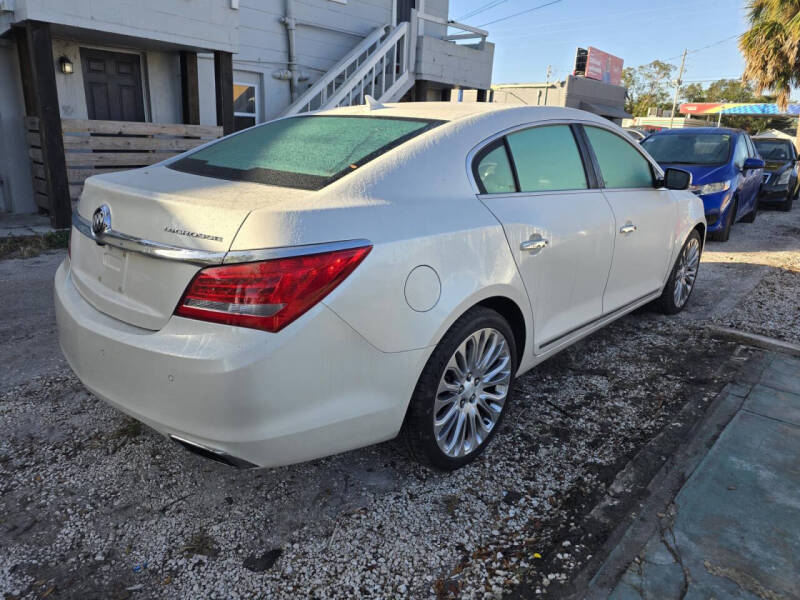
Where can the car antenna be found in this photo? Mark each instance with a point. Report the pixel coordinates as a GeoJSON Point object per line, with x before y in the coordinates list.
{"type": "Point", "coordinates": [371, 103]}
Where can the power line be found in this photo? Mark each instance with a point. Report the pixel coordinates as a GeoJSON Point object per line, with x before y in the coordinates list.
{"type": "Point", "coordinates": [520, 13]}
{"type": "Point", "coordinates": [480, 9]}
{"type": "Point", "coordinates": [717, 43]}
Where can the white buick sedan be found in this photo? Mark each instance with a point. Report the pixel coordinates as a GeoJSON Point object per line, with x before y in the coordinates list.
{"type": "Point", "coordinates": [323, 282]}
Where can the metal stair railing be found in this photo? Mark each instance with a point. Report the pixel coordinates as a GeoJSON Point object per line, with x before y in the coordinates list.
{"type": "Point", "coordinates": [317, 95]}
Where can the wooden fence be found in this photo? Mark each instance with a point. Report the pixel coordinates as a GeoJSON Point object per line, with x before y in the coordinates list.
{"type": "Point", "coordinates": [94, 147]}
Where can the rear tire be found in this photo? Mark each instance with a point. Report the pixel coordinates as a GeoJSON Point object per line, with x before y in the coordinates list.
{"type": "Point", "coordinates": [725, 234]}
{"type": "Point", "coordinates": [681, 281]}
{"type": "Point", "coordinates": [455, 409]}
{"type": "Point", "coordinates": [751, 216]}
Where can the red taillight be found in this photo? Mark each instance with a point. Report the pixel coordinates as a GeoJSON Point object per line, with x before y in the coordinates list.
{"type": "Point", "coordinates": [269, 294]}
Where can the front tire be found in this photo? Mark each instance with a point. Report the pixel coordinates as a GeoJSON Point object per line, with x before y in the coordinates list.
{"type": "Point", "coordinates": [463, 392]}
{"type": "Point", "coordinates": [684, 274]}
{"type": "Point", "coordinates": [725, 234]}
{"type": "Point", "coordinates": [751, 216]}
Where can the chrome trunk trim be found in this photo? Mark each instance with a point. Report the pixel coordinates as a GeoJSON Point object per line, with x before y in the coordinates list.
{"type": "Point", "coordinates": [203, 257]}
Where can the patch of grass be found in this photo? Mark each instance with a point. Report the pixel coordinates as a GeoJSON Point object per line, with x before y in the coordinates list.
{"type": "Point", "coordinates": [32, 245]}
{"type": "Point", "coordinates": [130, 428]}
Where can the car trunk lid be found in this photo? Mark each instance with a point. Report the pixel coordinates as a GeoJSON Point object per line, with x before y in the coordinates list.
{"type": "Point", "coordinates": [165, 208]}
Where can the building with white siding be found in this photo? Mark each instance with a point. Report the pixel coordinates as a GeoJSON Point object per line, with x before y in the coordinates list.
{"type": "Point", "coordinates": [89, 86]}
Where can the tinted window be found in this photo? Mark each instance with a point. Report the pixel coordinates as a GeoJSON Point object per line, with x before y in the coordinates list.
{"type": "Point", "coordinates": [774, 149]}
{"type": "Point", "coordinates": [547, 159]}
{"type": "Point", "coordinates": [689, 148]}
{"type": "Point", "coordinates": [741, 152]}
{"type": "Point", "coordinates": [494, 173]}
{"type": "Point", "coordinates": [751, 151]}
{"type": "Point", "coordinates": [620, 163]}
{"type": "Point", "coordinates": [306, 152]}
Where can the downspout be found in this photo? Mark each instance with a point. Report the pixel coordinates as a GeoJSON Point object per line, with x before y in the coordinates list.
{"type": "Point", "coordinates": [291, 27]}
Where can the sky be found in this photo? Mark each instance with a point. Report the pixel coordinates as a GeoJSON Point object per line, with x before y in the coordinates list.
{"type": "Point", "coordinates": [637, 31]}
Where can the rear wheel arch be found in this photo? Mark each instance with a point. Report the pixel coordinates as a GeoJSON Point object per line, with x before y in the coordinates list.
{"type": "Point", "coordinates": [512, 313]}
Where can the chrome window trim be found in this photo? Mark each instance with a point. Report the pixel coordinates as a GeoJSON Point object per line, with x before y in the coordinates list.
{"type": "Point", "coordinates": [478, 147]}
{"type": "Point", "coordinates": [203, 258]}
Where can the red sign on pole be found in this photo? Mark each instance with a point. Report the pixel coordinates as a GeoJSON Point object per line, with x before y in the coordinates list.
{"type": "Point", "coordinates": [603, 66]}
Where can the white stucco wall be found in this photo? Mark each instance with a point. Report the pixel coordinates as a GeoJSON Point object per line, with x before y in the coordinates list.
{"type": "Point", "coordinates": [15, 170]}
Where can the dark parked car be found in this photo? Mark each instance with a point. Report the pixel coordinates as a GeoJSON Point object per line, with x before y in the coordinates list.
{"type": "Point", "coordinates": [726, 171]}
{"type": "Point", "coordinates": [781, 183]}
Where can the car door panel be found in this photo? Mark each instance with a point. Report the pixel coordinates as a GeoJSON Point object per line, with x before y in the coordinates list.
{"type": "Point", "coordinates": [566, 278]}
{"type": "Point", "coordinates": [643, 216]}
{"type": "Point", "coordinates": [561, 231]}
{"type": "Point", "coordinates": [641, 255]}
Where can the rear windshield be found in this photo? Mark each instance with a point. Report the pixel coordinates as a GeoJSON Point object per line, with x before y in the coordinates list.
{"type": "Point", "coordinates": [689, 148]}
{"type": "Point", "coordinates": [774, 149]}
{"type": "Point", "coordinates": [306, 152]}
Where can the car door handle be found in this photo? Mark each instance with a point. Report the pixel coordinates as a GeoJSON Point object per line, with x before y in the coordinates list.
{"type": "Point", "coordinates": [534, 245]}
{"type": "Point", "coordinates": [627, 228]}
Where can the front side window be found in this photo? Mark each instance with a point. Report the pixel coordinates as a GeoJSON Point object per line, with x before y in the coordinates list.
{"type": "Point", "coordinates": [741, 153]}
{"type": "Point", "coordinates": [493, 172]}
{"type": "Point", "coordinates": [547, 159]}
{"type": "Point", "coordinates": [307, 152]}
{"type": "Point", "coordinates": [689, 148]}
{"type": "Point", "coordinates": [621, 165]}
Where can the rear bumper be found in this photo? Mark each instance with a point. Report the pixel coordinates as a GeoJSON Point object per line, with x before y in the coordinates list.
{"type": "Point", "coordinates": [314, 389]}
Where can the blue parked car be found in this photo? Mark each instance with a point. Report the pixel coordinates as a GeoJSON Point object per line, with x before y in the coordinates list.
{"type": "Point", "coordinates": [726, 169]}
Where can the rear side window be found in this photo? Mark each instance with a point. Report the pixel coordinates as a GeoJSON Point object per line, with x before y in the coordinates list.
{"type": "Point", "coordinates": [621, 164]}
{"type": "Point", "coordinates": [307, 152]}
{"type": "Point", "coordinates": [547, 159]}
{"type": "Point", "coordinates": [493, 172]}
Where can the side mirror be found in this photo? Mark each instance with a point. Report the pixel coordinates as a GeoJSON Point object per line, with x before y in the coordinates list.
{"type": "Point", "coordinates": [752, 163]}
{"type": "Point", "coordinates": [677, 179]}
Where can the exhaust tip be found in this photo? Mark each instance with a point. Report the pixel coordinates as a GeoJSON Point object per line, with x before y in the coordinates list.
{"type": "Point", "coordinates": [213, 454]}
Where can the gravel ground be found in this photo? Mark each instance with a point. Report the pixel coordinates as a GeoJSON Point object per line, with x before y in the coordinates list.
{"type": "Point", "coordinates": [764, 259]}
{"type": "Point", "coordinates": [94, 505]}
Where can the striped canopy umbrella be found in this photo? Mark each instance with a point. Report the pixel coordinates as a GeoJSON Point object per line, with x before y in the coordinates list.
{"type": "Point", "coordinates": [738, 108]}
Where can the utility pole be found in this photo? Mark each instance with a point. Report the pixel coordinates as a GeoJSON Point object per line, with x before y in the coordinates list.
{"type": "Point", "coordinates": [547, 82]}
{"type": "Point", "coordinates": [677, 88]}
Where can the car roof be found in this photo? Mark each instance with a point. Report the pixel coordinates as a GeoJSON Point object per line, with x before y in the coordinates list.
{"type": "Point", "coordinates": [456, 111]}
{"type": "Point", "coordinates": [680, 130]}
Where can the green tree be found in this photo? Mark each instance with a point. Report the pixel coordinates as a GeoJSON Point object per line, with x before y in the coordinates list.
{"type": "Point", "coordinates": [648, 87]}
{"type": "Point", "coordinates": [771, 47]}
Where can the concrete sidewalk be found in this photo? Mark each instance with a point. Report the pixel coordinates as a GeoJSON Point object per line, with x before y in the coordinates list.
{"type": "Point", "coordinates": [733, 529]}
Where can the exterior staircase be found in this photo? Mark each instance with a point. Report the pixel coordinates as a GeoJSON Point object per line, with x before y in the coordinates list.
{"type": "Point", "coordinates": [381, 66]}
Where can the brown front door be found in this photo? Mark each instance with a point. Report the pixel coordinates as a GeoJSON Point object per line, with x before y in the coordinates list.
{"type": "Point", "coordinates": [113, 85]}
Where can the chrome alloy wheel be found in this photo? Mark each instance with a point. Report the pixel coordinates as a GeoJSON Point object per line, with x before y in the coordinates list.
{"type": "Point", "coordinates": [688, 262]}
{"type": "Point", "coordinates": [472, 392]}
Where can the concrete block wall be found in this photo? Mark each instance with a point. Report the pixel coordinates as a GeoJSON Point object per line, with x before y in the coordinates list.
{"type": "Point", "coordinates": [454, 64]}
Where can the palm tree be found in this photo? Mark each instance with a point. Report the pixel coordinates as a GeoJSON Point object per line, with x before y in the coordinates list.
{"type": "Point", "coordinates": [771, 47]}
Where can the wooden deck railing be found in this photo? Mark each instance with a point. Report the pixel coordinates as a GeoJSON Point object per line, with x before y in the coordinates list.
{"type": "Point", "coordinates": [94, 147]}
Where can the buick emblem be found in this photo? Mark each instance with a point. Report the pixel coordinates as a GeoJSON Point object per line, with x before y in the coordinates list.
{"type": "Point", "coordinates": [101, 220]}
